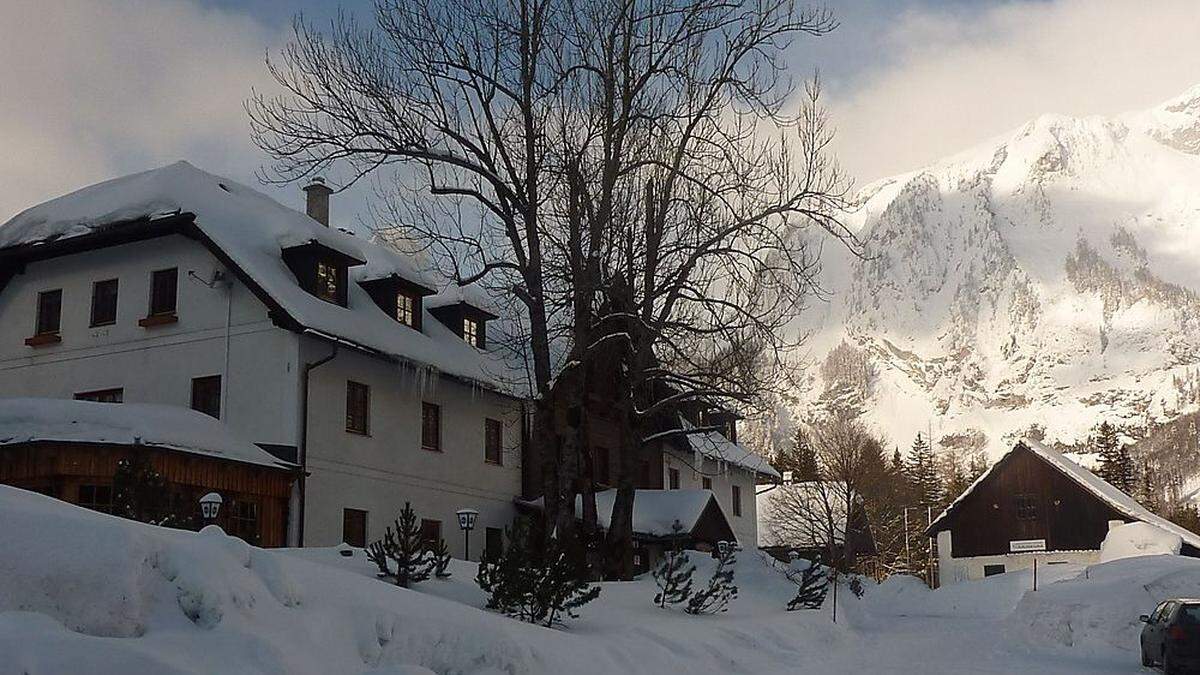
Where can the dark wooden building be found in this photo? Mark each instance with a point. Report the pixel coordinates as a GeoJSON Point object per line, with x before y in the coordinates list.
{"type": "Point", "coordinates": [1035, 503]}
{"type": "Point", "coordinates": [71, 450]}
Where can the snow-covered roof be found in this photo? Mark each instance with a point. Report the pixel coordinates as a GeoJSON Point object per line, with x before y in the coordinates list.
{"type": "Point", "coordinates": [1089, 481]}
{"type": "Point", "coordinates": [27, 420]}
{"type": "Point", "coordinates": [252, 229]}
{"type": "Point", "coordinates": [655, 511]}
{"type": "Point", "coordinates": [715, 446]}
{"type": "Point", "coordinates": [810, 507]}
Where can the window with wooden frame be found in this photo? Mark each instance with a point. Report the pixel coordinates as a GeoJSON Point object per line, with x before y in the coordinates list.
{"type": "Point", "coordinates": [163, 290]}
{"type": "Point", "coordinates": [243, 520]}
{"type": "Point", "coordinates": [1026, 507]}
{"type": "Point", "coordinates": [115, 395]}
{"type": "Point", "coordinates": [431, 426]}
{"type": "Point", "coordinates": [673, 479]}
{"type": "Point", "coordinates": [471, 331]}
{"type": "Point", "coordinates": [49, 312]}
{"type": "Point", "coordinates": [706, 483]}
{"type": "Point", "coordinates": [358, 408]}
{"type": "Point", "coordinates": [206, 395]}
{"type": "Point", "coordinates": [737, 500]}
{"type": "Point", "coordinates": [104, 303]}
{"type": "Point", "coordinates": [96, 497]}
{"type": "Point", "coordinates": [431, 532]}
{"type": "Point", "coordinates": [328, 282]}
{"type": "Point", "coordinates": [493, 441]}
{"type": "Point", "coordinates": [354, 527]}
{"type": "Point", "coordinates": [406, 309]}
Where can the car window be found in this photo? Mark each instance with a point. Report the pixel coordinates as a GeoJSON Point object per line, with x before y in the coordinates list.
{"type": "Point", "coordinates": [1158, 612]}
{"type": "Point", "coordinates": [1189, 614]}
{"type": "Point", "coordinates": [1168, 609]}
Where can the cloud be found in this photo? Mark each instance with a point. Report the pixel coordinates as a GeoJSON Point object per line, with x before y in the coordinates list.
{"type": "Point", "coordinates": [945, 79]}
{"type": "Point", "coordinates": [92, 90]}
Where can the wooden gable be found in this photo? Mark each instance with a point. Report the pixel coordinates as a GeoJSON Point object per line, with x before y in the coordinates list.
{"type": "Point", "coordinates": [1024, 497]}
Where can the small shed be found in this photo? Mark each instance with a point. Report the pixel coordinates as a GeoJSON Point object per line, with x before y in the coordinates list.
{"type": "Point", "coordinates": [71, 450]}
{"type": "Point", "coordinates": [1035, 504]}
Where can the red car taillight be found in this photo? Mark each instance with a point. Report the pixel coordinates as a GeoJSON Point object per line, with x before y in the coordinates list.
{"type": "Point", "coordinates": [1176, 633]}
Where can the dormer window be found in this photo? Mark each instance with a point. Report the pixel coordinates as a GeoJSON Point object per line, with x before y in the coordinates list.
{"type": "Point", "coordinates": [398, 297]}
{"type": "Point", "coordinates": [471, 332]}
{"type": "Point", "coordinates": [406, 309]}
{"type": "Point", "coordinates": [327, 287]}
{"type": "Point", "coordinates": [321, 270]}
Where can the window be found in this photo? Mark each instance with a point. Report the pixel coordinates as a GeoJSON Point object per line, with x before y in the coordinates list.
{"type": "Point", "coordinates": [1026, 507]}
{"type": "Point", "coordinates": [49, 312]}
{"type": "Point", "coordinates": [243, 520]}
{"type": "Point", "coordinates": [673, 478]}
{"type": "Point", "coordinates": [104, 302]}
{"type": "Point", "coordinates": [358, 407]}
{"type": "Point", "coordinates": [737, 500]}
{"type": "Point", "coordinates": [327, 282]}
{"type": "Point", "coordinates": [603, 466]}
{"type": "Point", "coordinates": [431, 426]}
{"type": "Point", "coordinates": [431, 532]}
{"type": "Point", "coordinates": [493, 543]}
{"type": "Point", "coordinates": [706, 483]}
{"type": "Point", "coordinates": [206, 395]}
{"type": "Point", "coordinates": [354, 527]}
{"type": "Point", "coordinates": [162, 292]}
{"type": "Point", "coordinates": [406, 309]}
{"type": "Point", "coordinates": [471, 332]}
{"type": "Point", "coordinates": [102, 396]}
{"type": "Point", "coordinates": [96, 497]}
{"type": "Point", "coordinates": [992, 570]}
{"type": "Point", "coordinates": [493, 442]}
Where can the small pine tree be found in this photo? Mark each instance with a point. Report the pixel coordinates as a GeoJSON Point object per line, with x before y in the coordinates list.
{"type": "Point", "coordinates": [1106, 445]}
{"type": "Point", "coordinates": [402, 552]}
{"type": "Point", "coordinates": [140, 492]}
{"type": "Point", "coordinates": [441, 559]}
{"type": "Point", "coordinates": [673, 574]}
{"type": "Point", "coordinates": [812, 583]}
{"type": "Point", "coordinates": [720, 591]}
{"type": "Point", "coordinates": [535, 579]}
{"type": "Point", "coordinates": [800, 459]}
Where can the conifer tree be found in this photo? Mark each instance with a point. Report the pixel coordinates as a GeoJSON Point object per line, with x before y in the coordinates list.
{"type": "Point", "coordinates": [402, 553]}
{"type": "Point", "coordinates": [673, 574]}
{"type": "Point", "coordinates": [922, 473]}
{"type": "Point", "coordinates": [800, 458]}
{"type": "Point", "coordinates": [1106, 444]}
{"type": "Point", "coordinates": [716, 596]}
{"type": "Point", "coordinates": [441, 559]}
{"type": "Point", "coordinates": [812, 583]}
{"type": "Point", "coordinates": [140, 492]}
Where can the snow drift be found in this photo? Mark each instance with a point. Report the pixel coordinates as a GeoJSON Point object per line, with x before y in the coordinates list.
{"type": "Point", "coordinates": [1137, 539]}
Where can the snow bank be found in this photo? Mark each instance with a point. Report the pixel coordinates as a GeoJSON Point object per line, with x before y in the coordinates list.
{"type": "Point", "coordinates": [1138, 539]}
{"type": "Point", "coordinates": [1100, 609]}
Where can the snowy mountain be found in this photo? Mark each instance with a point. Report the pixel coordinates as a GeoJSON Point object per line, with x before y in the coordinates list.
{"type": "Point", "coordinates": [1035, 284]}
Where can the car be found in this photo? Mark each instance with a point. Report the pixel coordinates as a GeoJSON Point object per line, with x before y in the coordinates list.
{"type": "Point", "coordinates": [1171, 636]}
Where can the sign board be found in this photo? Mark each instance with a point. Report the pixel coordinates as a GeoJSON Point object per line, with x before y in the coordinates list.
{"type": "Point", "coordinates": [1026, 545]}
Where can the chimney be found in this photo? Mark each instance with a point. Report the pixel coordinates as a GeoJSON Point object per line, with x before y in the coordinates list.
{"type": "Point", "coordinates": [317, 206]}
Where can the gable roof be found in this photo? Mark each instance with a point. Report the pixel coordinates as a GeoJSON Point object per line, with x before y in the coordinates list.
{"type": "Point", "coordinates": [249, 230]}
{"type": "Point", "coordinates": [1098, 487]}
{"type": "Point", "coordinates": [655, 511]}
{"type": "Point", "coordinates": [32, 420]}
{"type": "Point", "coordinates": [715, 446]}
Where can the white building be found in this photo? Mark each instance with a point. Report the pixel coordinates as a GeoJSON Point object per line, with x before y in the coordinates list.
{"type": "Point", "coordinates": [179, 287]}
{"type": "Point", "coordinates": [176, 286]}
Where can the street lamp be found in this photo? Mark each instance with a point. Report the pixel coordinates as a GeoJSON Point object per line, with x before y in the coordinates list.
{"type": "Point", "coordinates": [210, 506]}
{"type": "Point", "coordinates": [466, 523]}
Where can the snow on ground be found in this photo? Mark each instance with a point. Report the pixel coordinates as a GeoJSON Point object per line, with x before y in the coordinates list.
{"type": "Point", "coordinates": [86, 592]}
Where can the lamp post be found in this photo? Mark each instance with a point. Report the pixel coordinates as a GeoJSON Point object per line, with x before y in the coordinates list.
{"type": "Point", "coordinates": [210, 506]}
{"type": "Point", "coordinates": [466, 523]}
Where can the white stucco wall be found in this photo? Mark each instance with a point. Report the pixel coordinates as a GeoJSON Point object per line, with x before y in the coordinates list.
{"type": "Point", "coordinates": [953, 570]}
{"type": "Point", "coordinates": [152, 365]}
{"type": "Point", "coordinates": [724, 477]}
{"type": "Point", "coordinates": [379, 472]}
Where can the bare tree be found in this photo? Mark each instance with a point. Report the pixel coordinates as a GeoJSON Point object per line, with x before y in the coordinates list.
{"type": "Point", "coordinates": [628, 169]}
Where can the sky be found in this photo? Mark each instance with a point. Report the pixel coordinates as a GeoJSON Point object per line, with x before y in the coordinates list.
{"type": "Point", "coordinates": [93, 89]}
